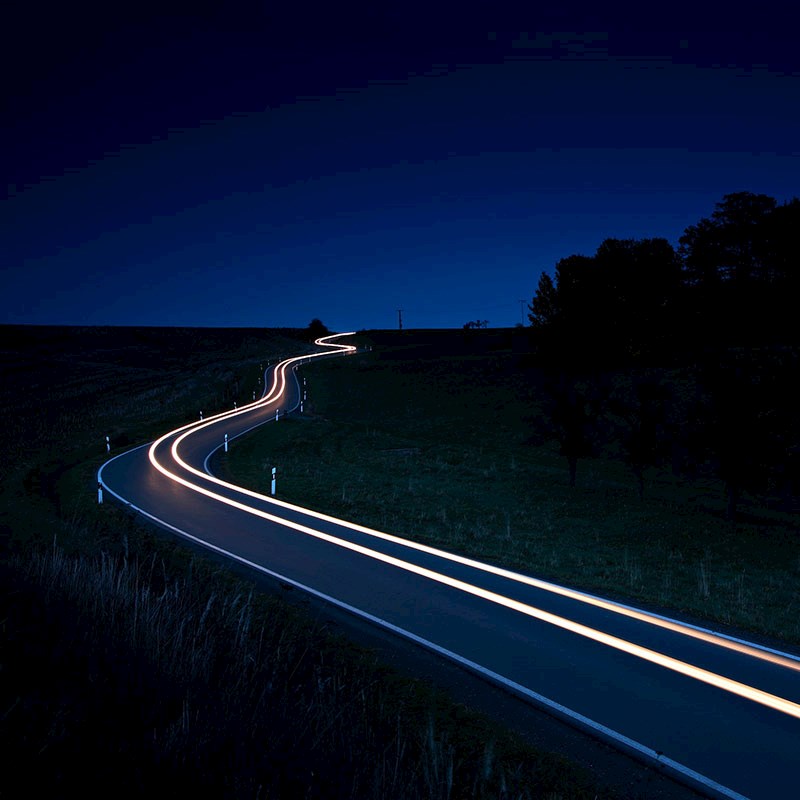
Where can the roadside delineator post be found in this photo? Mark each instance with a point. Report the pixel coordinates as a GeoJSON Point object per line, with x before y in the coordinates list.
{"type": "Point", "coordinates": [234, 405]}
{"type": "Point", "coordinates": [201, 416]}
{"type": "Point", "coordinates": [276, 415]}
{"type": "Point", "coordinates": [99, 493]}
{"type": "Point", "coordinates": [254, 394]}
{"type": "Point", "coordinates": [273, 481]}
{"type": "Point", "coordinates": [108, 445]}
{"type": "Point", "coordinates": [226, 442]}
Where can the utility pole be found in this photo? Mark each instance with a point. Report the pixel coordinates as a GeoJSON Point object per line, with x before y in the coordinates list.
{"type": "Point", "coordinates": [400, 318]}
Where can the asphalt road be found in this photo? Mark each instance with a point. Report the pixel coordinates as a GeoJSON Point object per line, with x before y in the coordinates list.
{"type": "Point", "coordinates": [717, 713]}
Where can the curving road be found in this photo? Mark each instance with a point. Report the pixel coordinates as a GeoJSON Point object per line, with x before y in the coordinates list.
{"type": "Point", "coordinates": [718, 713]}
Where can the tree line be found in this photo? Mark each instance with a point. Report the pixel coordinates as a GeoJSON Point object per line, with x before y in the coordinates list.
{"type": "Point", "coordinates": [684, 357]}
{"type": "Point", "coordinates": [734, 280]}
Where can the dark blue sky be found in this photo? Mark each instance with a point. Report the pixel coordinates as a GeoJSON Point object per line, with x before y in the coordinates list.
{"type": "Point", "coordinates": [242, 166]}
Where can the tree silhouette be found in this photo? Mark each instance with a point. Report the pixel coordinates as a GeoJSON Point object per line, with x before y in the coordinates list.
{"type": "Point", "coordinates": [619, 304]}
{"type": "Point", "coordinates": [562, 312]}
{"type": "Point", "coordinates": [740, 221]}
{"type": "Point", "coordinates": [543, 309]}
{"type": "Point", "coordinates": [571, 417]}
{"type": "Point", "coordinates": [725, 305]}
{"type": "Point", "coordinates": [751, 423]}
{"type": "Point", "coordinates": [781, 251]}
{"type": "Point", "coordinates": [738, 264]}
{"type": "Point", "coordinates": [642, 412]}
{"type": "Point", "coordinates": [780, 272]}
{"type": "Point", "coordinates": [316, 329]}
{"type": "Point", "coordinates": [641, 281]}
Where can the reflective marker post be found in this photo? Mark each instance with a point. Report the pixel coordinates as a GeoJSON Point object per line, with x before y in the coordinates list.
{"type": "Point", "coordinates": [201, 416]}
{"type": "Point", "coordinates": [273, 481]}
{"type": "Point", "coordinates": [108, 445]}
{"type": "Point", "coordinates": [226, 442]}
{"type": "Point", "coordinates": [99, 493]}
{"type": "Point", "coordinates": [276, 415]}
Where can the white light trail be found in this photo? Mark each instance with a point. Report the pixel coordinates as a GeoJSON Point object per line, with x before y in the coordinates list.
{"type": "Point", "coordinates": [278, 388]}
{"type": "Point", "coordinates": [618, 608]}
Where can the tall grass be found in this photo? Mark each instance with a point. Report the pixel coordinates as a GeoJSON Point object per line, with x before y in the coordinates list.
{"type": "Point", "coordinates": [149, 680]}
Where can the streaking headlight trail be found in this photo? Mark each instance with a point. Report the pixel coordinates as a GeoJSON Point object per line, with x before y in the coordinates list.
{"type": "Point", "coordinates": [713, 710]}
{"type": "Point", "coordinates": [275, 395]}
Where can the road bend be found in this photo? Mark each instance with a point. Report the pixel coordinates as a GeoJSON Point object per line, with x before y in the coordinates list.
{"type": "Point", "coordinates": [718, 713]}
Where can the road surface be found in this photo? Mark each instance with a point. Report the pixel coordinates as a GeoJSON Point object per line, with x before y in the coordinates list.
{"type": "Point", "coordinates": [717, 713]}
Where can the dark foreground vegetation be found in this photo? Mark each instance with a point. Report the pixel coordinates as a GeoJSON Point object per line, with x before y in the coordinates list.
{"type": "Point", "coordinates": [129, 661]}
{"type": "Point", "coordinates": [188, 684]}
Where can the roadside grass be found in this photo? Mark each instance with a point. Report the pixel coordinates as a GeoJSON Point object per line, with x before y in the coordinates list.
{"type": "Point", "coordinates": [65, 390]}
{"type": "Point", "coordinates": [161, 665]}
{"type": "Point", "coordinates": [436, 449]}
{"type": "Point", "coordinates": [196, 680]}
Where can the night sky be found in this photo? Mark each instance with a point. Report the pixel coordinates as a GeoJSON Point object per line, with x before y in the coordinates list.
{"type": "Point", "coordinates": [242, 164]}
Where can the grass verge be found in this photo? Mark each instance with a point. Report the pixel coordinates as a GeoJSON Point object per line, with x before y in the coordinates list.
{"type": "Point", "coordinates": [193, 679]}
